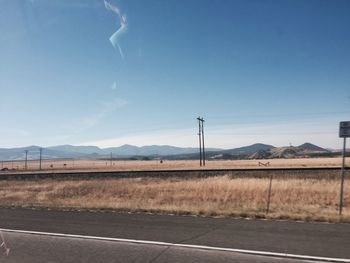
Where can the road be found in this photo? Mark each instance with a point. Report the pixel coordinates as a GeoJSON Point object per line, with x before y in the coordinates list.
{"type": "Point", "coordinates": [312, 239]}
{"type": "Point", "coordinates": [27, 248]}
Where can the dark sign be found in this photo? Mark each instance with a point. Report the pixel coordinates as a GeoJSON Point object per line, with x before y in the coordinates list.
{"type": "Point", "coordinates": [344, 129]}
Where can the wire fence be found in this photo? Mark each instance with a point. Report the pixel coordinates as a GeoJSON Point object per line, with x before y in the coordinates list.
{"type": "Point", "coordinates": [154, 164]}
{"type": "Point", "coordinates": [303, 193]}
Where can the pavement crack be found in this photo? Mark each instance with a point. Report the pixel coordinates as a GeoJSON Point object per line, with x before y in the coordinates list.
{"type": "Point", "coordinates": [201, 234]}
{"type": "Point", "coordinates": [159, 254]}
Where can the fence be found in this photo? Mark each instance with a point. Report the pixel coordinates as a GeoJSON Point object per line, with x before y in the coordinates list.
{"type": "Point", "coordinates": [280, 193]}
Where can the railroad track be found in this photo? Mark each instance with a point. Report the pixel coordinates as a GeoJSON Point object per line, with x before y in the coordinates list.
{"type": "Point", "coordinates": [258, 172]}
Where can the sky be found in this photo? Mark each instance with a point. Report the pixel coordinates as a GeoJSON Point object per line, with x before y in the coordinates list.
{"type": "Point", "coordinates": [257, 71]}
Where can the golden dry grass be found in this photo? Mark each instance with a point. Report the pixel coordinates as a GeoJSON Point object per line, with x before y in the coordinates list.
{"type": "Point", "coordinates": [93, 164]}
{"type": "Point", "coordinates": [304, 199]}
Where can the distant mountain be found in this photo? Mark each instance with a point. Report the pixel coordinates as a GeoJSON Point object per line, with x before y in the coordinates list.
{"type": "Point", "coordinates": [262, 154]}
{"type": "Point", "coordinates": [247, 150]}
{"type": "Point", "coordinates": [162, 150]}
{"type": "Point", "coordinates": [285, 152]}
{"type": "Point", "coordinates": [34, 152]}
{"type": "Point", "coordinates": [312, 147]}
{"type": "Point", "coordinates": [255, 151]}
{"type": "Point", "coordinates": [16, 153]}
{"type": "Point", "coordinates": [235, 153]}
{"type": "Point", "coordinates": [304, 150]}
{"type": "Point", "coordinates": [76, 149]}
{"type": "Point", "coordinates": [70, 151]}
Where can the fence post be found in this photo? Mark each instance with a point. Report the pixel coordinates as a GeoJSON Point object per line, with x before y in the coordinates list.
{"type": "Point", "coordinates": [342, 179]}
{"type": "Point", "coordinates": [269, 195]}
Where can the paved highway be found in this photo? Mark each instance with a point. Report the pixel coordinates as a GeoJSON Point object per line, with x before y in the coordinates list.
{"type": "Point", "coordinates": [312, 239]}
{"type": "Point", "coordinates": [27, 248]}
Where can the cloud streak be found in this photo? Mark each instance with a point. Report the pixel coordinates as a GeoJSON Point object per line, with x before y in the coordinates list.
{"type": "Point", "coordinates": [114, 85]}
{"type": "Point", "coordinates": [79, 126]}
{"type": "Point", "coordinates": [14, 131]}
{"type": "Point", "coordinates": [123, 25]}
{"type": "Point", "coordinates": [106, 108]}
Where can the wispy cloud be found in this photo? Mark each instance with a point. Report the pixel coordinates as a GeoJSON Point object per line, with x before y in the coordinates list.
{"type": "Point", "coordinates": [65, 4]}
{"type": "Point", "coordinates": [106, 107]}
{"type": "Point", "coordinates": [13, 131]}
{"type": "Point", "coordinates": [114, 86]}
{"type": "Point", "coordinates": [113, 104]}
{"type": "Point", "coordinates": [122, 28]}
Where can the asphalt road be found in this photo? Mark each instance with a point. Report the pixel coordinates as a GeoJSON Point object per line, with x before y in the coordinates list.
{"type": "Point", "coordinates": [312, 239]}
{"type": "Point", "coordinates": [29, 248]}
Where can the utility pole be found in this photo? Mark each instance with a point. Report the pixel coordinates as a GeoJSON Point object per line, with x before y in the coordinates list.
{"type": "Point", "coordinates": [201, 141]}
{"type": "Point", "coordinates": [40, 154]}
{"type": "Point", "coordinates": [203, 148]}
{"type": "Point", "coordinates": [25, 163]}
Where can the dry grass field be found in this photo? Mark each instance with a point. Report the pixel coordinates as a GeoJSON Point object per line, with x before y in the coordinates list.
{"type": "Point", "coordinates": [94, 164]}
{"type": "Point", "coordinates": [292, 198]}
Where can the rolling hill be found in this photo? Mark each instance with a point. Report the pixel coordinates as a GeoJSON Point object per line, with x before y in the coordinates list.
{"type": "Point", "coordinates": [255, 151]}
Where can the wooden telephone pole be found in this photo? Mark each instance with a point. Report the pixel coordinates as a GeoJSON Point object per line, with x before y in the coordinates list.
{"type": "Point", "coordinates": [201, 141]}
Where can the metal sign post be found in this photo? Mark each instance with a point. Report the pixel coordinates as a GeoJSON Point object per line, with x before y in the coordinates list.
{"type": "Point", "coordinates": [344, 132]}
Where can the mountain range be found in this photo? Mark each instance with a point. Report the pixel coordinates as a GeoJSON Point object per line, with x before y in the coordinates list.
{"type": "Point", "coordinates": [255, 151]}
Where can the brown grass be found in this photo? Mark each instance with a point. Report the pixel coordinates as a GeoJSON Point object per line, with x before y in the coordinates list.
{"type": "Point", "coordinates": [93, 164]}
{"type": "Point", "coordinates": [304, 199]}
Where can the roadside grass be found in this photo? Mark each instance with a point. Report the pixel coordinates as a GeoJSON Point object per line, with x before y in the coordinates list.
{"type": "Point", "coordinates": [291, 198]}
{"type": "Point", "coordinates": [137, 165]}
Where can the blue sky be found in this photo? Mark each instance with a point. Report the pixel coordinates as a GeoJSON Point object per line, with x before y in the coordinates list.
{"type": "Point", "coordinates": [275, 72]}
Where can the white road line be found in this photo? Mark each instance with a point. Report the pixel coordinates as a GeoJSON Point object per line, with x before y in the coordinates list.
{"type": "Point", "coordinates": [146, 242]}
